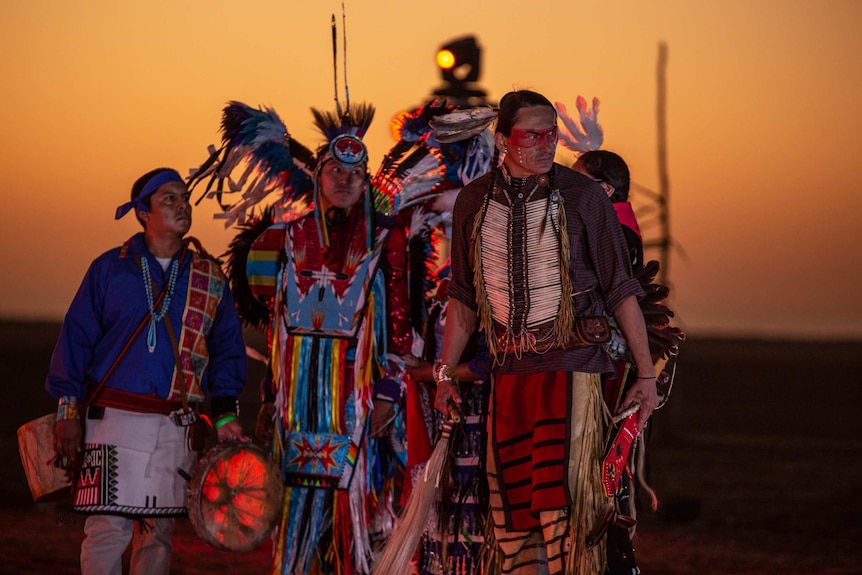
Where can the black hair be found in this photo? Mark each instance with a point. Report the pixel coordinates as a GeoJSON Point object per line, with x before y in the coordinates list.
{"type": "Point", "coordinates": [608, 167]}
{"type": "Point", "coordinates": [512, 103]}
{"type": "Point", "coordinates": [138, 187]}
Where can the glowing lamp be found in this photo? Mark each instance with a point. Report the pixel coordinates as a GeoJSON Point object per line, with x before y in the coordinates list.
{"type": "Point", "coordinates": [459, 60]}
{"type": "Point", "coordinates": [445, 59]}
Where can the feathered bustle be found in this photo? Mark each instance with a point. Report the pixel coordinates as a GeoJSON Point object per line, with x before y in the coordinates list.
{"type": "Point", "coordinates": [664, 339]}
{"type": "Point", "coordinates": [258, 140]}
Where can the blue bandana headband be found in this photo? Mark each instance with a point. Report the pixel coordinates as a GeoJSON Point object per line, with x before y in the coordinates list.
{"type": "Point", "coordinates": [151, 186]}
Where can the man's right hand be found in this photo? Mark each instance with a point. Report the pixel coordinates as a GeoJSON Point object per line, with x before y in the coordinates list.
{"type": "Point", "coordinates": [68, 438]}
{"type": "Point", "coordinates": [447, 396]}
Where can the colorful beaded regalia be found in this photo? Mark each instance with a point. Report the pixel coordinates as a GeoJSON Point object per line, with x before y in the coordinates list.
{"type": "Point", "coordinates": [332, 296]}
{"type": "Point", "coordinates": [331, 292]}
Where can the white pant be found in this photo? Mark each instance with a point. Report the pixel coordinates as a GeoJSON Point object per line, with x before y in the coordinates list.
{"type": "Point", "coordinates": [106, 539]}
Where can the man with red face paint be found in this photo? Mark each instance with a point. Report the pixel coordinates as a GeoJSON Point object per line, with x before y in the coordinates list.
{"type": "Point", "coordinates": [539, 262]}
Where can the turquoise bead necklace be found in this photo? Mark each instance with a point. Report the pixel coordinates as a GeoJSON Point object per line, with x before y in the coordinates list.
{"type": "Point", "coordinates": [157, 316]}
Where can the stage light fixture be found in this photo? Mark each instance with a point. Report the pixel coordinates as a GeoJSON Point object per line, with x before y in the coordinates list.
{"type": "Point", "coordinates": [459, 60]}
{"type": "Point", "coordinates": [459, 63]}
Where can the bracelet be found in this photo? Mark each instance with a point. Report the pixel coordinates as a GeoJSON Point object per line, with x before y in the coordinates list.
{"type": "Point", "coordinates": [224, 420]}
{"type": "Point", "coordinates": [67, 408]}
{"type": "Point", "coordinates": [442, 372]}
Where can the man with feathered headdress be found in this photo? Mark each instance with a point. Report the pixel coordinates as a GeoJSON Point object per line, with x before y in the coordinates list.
{"type": "Point", "coordinates": [331, 278]}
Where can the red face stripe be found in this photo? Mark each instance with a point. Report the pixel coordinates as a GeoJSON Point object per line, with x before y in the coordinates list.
{"type": "Point", "coordinates": [533, 138]}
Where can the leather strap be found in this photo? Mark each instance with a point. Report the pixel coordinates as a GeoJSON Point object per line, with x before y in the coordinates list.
{"type": "Point", "coordinates": [124, 400]}
{"type": "Point", "coordinates": [184, 384]}
{"type": "Point", "coordinates": [91, 395]}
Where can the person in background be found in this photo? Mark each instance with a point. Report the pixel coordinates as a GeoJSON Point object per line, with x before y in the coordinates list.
{"type": "Point", "coordinates": [612, 174]}
{"type": "Point", "coordinates": [538, 260]}
{"type": "Point", "coordinates": [454, 537]}
{"type": "Point", "coordinates": [151, 331]}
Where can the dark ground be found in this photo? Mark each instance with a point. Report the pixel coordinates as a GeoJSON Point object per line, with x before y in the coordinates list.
{"type": "Point", "coordinates": [756, 461]}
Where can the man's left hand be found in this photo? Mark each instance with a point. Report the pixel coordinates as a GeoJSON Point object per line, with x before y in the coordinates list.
{"type": "Point", "coordinates": [643, 393]}
{"type": "Point", "coordinates": [232, 430]}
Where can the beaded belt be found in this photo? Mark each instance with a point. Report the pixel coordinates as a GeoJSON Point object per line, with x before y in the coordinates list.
{"type": "Point", "coordinates": [592, 330]}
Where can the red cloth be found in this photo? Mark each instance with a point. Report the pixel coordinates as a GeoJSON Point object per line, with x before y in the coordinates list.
{"type": "Point", "coordinates": [530, 419]}
{"type": "Point", "coordinates": [418, 435]}
{"type": "Point", "coordinates": [626, 216]}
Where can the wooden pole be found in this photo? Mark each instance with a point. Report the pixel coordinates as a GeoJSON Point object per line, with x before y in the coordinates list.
{"type": "Point", "coordinates": [664, 180]}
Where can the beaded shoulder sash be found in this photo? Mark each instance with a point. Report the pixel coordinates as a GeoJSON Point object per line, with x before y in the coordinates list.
{"type": "Point", "coordinates": [206, 288]}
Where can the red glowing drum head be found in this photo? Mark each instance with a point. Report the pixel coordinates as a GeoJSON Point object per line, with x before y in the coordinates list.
{"type": "Point", "coordinates": [234, 496]}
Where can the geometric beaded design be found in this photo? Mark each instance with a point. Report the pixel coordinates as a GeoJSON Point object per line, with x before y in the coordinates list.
{"type": "Point", "coordinates": [206, 288]}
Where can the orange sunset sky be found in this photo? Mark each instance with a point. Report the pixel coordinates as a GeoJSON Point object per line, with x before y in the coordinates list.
{"type": "Point", "coordinates": [764, 125]}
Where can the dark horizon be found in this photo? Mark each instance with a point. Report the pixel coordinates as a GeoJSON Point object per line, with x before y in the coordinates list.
{"type": "Point", "coordinates": [748, 460]}
{"type": "Point", "coordinates": [700, 337]}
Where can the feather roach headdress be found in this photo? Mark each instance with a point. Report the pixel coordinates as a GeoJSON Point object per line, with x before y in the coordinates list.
{"type": "Point", "coordinates": [354, 122]}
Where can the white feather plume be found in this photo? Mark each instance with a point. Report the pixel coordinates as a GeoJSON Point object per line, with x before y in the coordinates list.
{"type": "Point", "coordinates": [585, 134]}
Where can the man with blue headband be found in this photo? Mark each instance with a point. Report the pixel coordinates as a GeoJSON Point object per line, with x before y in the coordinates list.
{"type": "Point", "coordinates": [152, 330]}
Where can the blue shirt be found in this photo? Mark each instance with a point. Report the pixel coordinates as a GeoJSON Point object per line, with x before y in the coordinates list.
{"type": "Point", "coordinates": [111, 303]}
